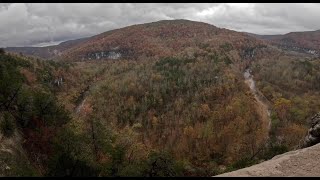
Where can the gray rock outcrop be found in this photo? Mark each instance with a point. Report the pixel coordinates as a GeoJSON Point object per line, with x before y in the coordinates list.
{"type": "Point", "coordinates": [313, 136]}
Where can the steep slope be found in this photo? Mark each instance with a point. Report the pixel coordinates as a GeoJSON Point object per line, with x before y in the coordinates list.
{"type": "Point", "coordinates": [48, 51]}
{"type": "Point", "coordinates": [30, 115]}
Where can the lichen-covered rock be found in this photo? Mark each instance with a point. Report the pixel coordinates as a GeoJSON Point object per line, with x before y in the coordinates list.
{"type": "Point", "coordinates": [313, 136]}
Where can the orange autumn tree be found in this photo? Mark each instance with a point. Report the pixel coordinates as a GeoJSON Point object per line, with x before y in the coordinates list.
{"type": "Point", "coordinates": [282, 107]}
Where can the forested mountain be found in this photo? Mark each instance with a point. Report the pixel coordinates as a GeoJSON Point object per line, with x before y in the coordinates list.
{"type": "Point", "coordinates": [304, 42]}
{"type": "Point", "coordinates": [169, 98]}
{"type": "Point", "coordinates": [157, 39]}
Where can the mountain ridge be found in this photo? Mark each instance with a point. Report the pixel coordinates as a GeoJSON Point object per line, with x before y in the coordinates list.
{"type": "Point", "coordinates": [306, 41]}
{"type": "Point", "coordinates": [88, 47]}
{"type": "Point", "coordinates": [166, 36]}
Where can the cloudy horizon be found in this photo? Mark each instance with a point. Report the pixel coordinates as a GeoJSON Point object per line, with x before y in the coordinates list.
{"type": "Point", "coordinates": [40, 24]}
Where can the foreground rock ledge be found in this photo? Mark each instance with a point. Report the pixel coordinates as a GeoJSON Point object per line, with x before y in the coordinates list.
{"type": "Point", "coordinates": [302, 162]}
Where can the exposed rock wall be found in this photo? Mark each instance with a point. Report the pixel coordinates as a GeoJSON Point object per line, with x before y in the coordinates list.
{"type": "Point", "coordinates": [313, 136]}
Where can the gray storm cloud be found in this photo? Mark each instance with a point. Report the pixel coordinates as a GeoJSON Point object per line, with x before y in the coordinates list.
{"type": "Point", "coordinates": [25, 24]}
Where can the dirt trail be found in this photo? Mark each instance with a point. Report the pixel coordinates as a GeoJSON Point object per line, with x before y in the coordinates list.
{"type": "Point", "coordinates": [262, 103]}
{"type": "Point", "coordinates": [80, 106]}
{"type": "Point", "coordinates": [81, 100]}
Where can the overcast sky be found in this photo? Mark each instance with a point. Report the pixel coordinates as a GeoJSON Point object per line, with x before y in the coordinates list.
{"type": "Point", "coordinates": [23, 24]}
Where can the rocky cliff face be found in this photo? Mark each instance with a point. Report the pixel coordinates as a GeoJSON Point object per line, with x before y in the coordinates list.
{"type": "Point", "coordinates": [313, 136]}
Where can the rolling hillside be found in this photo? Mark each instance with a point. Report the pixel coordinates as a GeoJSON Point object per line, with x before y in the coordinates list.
{"type": "Point", "coordinates": [304, 42]}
